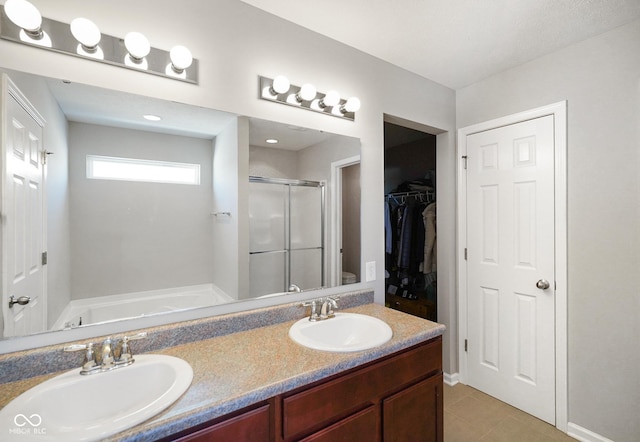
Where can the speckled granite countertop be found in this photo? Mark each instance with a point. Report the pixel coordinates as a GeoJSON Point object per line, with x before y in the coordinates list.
{"type": "Point", "coordinates": [239, 369]}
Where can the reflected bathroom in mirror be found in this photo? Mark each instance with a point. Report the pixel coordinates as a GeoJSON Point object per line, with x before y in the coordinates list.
{"type": "Point", "coordinates": [133, 217]}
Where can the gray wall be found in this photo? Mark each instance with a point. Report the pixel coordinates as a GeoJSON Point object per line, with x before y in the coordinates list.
{"type": "Point", "coordinates": [600, 79]}
{"type": "Point", "coordinates": [136, 236]}
{"type": "Point", "coordinates": [230, 190]}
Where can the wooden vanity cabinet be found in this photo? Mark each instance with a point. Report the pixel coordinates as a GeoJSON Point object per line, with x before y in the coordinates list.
{"type": "Point", "coordinates": [396, 398]}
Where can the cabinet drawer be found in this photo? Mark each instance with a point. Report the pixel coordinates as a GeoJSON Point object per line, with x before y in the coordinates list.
{"type": "Point", "coordinates": [360, 426]}
{"type": "Point", "coordinates": [253, 425]}
{"type": "Point", "coordinates": [319, 406]}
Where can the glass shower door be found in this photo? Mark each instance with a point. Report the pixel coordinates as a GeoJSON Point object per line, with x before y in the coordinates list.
{"type": "Point", "coordinates": [286, 220]}
{"type": "Point", "coordinates": [306, 233]}
{"type": "Point", "coordinates": [268, 243]}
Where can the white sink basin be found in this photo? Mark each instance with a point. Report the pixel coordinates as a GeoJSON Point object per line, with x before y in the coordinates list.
{"type": "Point", "coordinates": [344, 333]}
{"type": "Point", "coordinates": [72, 407]}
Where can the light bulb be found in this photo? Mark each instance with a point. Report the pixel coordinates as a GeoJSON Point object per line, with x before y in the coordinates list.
{"type": "Point", "coordinates": [330, 99]}
{"type": "Point", "coordinates": [280, 85]}
{"type": "Point", "coordinates": [352, 105]}
{"type": "Point", "coordinates": [86, 32]}
{"type": "Point", "coordinates": [307, 92]}
{"type": "Point", "coordinates": [137, 45]}
{"type": "Point", "coordinates": [24, 15]}
{"type": "Point", "coordinates": [181, 58]}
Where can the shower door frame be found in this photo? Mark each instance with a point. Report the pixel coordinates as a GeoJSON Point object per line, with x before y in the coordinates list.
{"type": "Point", "coordinates": [303, 183]}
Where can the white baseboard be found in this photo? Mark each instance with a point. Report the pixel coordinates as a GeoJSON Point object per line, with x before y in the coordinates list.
{"type": "Point", "coordinates": [451, 379]}
{"type": "Point", "coordinates": [584, 435]}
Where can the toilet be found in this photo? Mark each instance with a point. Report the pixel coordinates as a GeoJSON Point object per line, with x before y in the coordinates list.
{"type": "Point", "coordinates": [348, 278]}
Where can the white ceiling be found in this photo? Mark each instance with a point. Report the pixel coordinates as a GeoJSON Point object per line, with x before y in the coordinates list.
{"type": "Point", "coordinates": [456, 42]}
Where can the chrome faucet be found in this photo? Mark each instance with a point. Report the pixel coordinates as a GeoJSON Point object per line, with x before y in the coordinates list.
{"type": "Point", "coordinates": [113, 354]}
{"type": "Point", "coordinates": [107, 360]}
{"type": "Point", "coordinates": [322, 308]}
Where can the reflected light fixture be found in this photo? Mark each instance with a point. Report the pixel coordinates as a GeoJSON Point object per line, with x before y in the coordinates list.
{"type": "Point", "coordinates": [280, 90]}
{"type": "Point", "coordinates": [21, 22]}
{"type": "Point", "coordinates": [152, 117]}
{"type": "Point", "coordinates": [271, 141]}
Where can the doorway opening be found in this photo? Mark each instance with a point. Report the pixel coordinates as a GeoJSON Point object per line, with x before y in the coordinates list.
{"type": "Point", "coordinates": [410, 219]}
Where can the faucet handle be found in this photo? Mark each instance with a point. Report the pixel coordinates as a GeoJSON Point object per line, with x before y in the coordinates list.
{"type": "Point", "coordinates": [126, 356]}
{"type": "Point", "coordinates": [332, 304]}
{"type": "Point", "coordinates": [89, 363]}
{"type": "Point", "coordinates": [314, 308]}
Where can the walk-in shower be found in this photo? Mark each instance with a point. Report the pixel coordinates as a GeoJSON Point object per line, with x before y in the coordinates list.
{"type": "Point", "coordinates": [286, 239]}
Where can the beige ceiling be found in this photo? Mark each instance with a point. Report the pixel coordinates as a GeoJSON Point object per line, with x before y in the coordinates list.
{"type": "Point", "coordinates": [456, 42]}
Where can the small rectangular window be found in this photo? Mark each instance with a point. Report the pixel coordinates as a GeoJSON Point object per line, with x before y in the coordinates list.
{"type": "Point", "coordinates": [150, 171]}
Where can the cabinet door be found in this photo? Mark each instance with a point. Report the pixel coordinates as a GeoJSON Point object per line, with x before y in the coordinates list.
{"type": "Point", "coordinates": [251, 426]}
{"type": "Point", "coordinates": [415, 414]}
{"type": "Point", "coordinates": [358, 427]}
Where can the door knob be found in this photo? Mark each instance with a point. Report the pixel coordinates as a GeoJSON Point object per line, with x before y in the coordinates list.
{"type": "Point", "coordinates": [542, 284]}
{"type": "Point", "coordinates": [22, 300]}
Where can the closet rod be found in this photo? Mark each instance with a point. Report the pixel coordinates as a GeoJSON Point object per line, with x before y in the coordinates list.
{"type": "Point", "coordinates": [430, 194]}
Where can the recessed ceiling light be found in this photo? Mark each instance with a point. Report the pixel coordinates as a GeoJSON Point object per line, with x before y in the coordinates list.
{"type": "Point", "coordinates": [152, 117]}
{"type": "Point", "coordinates": [272, 141]}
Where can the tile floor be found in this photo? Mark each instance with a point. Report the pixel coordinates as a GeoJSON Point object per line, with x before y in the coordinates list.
{"type": "Point", "coordinates": [470, 415]}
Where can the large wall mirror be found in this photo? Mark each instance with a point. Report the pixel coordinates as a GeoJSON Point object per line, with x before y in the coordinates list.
{"type": "Point", "coordinates": [144, 217]}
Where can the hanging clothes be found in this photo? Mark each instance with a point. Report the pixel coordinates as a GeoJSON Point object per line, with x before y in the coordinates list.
{"type": "Point", "coordinates": [429, 218]}
{"type": "Point", "coordinates": [388, 229]}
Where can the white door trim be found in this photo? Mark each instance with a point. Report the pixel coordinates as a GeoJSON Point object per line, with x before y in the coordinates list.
{"type": "Point", "coordinates": [336, 215]}
{"type": "Point", "coordinates": [559, 112]}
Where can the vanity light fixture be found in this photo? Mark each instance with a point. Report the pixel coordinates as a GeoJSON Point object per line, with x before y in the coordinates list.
{"type": "Point", "coordinates": [352, 105]}
{"type": "Point", "coordinates": [307, 92]}
{"type": "Point", "coordinates": [280, 90]}
{"type": "Point", "coordinates": [271, 141]}
{"type": "Point", "coordinates": [138, 48]}
{"type": "Point", "coordinates": [26, 16]}
{"type": "Point", "coordinates": [280, 85]}
{"type": "Point", "coordinates": [28, 20]}
{"type": "Point", "coordinates": [21, 22]}
{"type": "Point", "coordinates": [331, 99]}
{"type": "Point", "coordinates": [181, 58]}
{"type": "Point", "coordinates": [88, 36]}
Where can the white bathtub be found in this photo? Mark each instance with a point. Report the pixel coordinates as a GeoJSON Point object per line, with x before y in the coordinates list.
{"type": "Point", "coordinates": [137, 304]}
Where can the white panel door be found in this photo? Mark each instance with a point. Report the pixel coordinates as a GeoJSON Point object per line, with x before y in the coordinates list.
{"type": "Point", "coordinates": [23, 272]}
{"type": "Point", "coordinates": [510, 257]}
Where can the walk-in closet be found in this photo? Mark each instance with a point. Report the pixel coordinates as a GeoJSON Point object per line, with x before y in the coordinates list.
{"type": "Point", "coordinates": [410, 221]}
